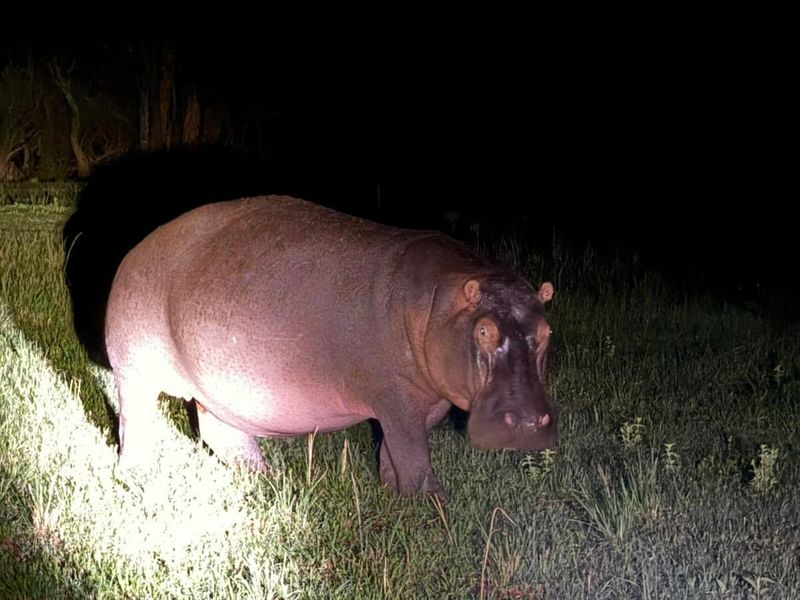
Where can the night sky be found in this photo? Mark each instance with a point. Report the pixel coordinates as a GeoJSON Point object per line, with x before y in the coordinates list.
{"type": "Point", "coordinates": [668, 137]}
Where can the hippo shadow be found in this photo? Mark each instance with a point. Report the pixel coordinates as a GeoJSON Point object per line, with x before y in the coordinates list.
{"type": "Point", "coordinates": [123, 202]}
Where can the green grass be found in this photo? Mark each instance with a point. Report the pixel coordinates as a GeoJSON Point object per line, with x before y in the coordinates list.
{"type": "Point", "coordinates": [676, 474]}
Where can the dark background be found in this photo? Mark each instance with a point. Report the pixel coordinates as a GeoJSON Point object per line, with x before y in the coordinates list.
{"type": "Point", "coordinates": [664, 134]}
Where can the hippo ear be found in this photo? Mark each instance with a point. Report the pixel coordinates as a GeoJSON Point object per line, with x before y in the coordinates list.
{"type": "Point", "coordinates": [546, 292]}
{"type": "Point", "coordinates": [472, 291]}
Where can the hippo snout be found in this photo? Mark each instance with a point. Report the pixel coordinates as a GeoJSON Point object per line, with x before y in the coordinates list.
{"type": "Point", "coordinates": [510, 429]}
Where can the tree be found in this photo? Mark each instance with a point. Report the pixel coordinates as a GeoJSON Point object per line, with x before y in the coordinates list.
{"type": "Point", "coordinates": [62, 79]}
{"type": "Point", "coordinates": [18, 129]}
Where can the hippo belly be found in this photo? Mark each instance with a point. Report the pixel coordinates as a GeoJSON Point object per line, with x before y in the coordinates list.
{"type": "Point", "coordinates": [263, 363]}
{"type": "Point", "coordinates": [264, 405]}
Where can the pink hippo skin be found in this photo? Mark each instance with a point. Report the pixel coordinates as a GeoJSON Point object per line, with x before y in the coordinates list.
{"type": "Point", "coordinates": [281, 317]}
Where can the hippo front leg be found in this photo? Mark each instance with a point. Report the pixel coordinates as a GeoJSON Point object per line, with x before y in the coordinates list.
{"type": "Point", "coordinates": [405, 463]}
{"type": "Point", "coordinates": [404, 457]}
{"type": "Point", "coordinates": [231, 445]}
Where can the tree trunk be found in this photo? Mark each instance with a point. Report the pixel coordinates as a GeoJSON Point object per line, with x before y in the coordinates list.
{"type": "Point", "coordinates": [213, 124]}
{"type": "Point", "coordinates": [5, 165]}
{"type": "Point", "coordinates": [166, 95]}
{"type": "Point", "coordinates": [65, 85]}
{"type": "Point", "coordinates": [158, 124]}
{"type": "Point", "coordinates": [82, 161]}
{"type": "Point", "coordinates": [191, 121]}
{"type": "Point", "coordinates": [144, 109]}
{"type": "Point", "coordinates": [53, 142]}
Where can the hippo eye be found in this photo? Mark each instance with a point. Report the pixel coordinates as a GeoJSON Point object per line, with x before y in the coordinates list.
{"type": "Point", "coordinates": [487, 334]}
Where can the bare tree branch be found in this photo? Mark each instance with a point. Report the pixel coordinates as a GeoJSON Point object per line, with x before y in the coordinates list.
{"type": "Point", "coordinates": [64, 83]}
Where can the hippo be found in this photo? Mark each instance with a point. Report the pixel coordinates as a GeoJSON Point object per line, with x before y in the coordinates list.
{"type": "Point", "coordinates": [280, 317]}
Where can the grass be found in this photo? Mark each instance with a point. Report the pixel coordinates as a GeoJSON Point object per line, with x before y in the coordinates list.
{"type": "Point", "coordinates": [676, 476]}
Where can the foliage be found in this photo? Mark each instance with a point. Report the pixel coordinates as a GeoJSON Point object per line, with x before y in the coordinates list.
{"type": "Point", "coordinates": [63, 114]}
{"type": "Point", "coordinates": [765, 472]}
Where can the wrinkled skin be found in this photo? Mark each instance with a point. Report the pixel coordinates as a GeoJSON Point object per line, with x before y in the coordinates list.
{"type": "Point", "coordinates": [282, 318]}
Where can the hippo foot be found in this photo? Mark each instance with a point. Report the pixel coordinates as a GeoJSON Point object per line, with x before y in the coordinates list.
{"type": "Point", "coordinates": [430, 487]}
{"type": "Point", "coordinates": [131, 470]}
{"type": "Point", "coordinates": [244, 456]}
{"type": "Point", "coordinates": [232, 446]}
{"type": "Point", "coordinates": [426, 484]}
{"type": "Point", "coordinates": [254, 464]}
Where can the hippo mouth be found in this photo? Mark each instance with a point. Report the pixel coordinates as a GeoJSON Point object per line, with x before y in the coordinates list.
{"type": "Point", "coordinates": [536, 434]}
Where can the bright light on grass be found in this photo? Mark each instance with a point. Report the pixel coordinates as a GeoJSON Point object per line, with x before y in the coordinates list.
{"type": "Point", "coordinates": [184, 521]}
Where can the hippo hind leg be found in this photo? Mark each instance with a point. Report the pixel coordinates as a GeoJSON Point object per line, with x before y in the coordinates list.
{"type": "Point", "coordinates": [138, 407]}
{"type": "Point", "coordinates": [231, 445]}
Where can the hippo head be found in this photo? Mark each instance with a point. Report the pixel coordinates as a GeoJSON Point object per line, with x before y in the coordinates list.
{"type": "Point", "coordinates": [489, 357]}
